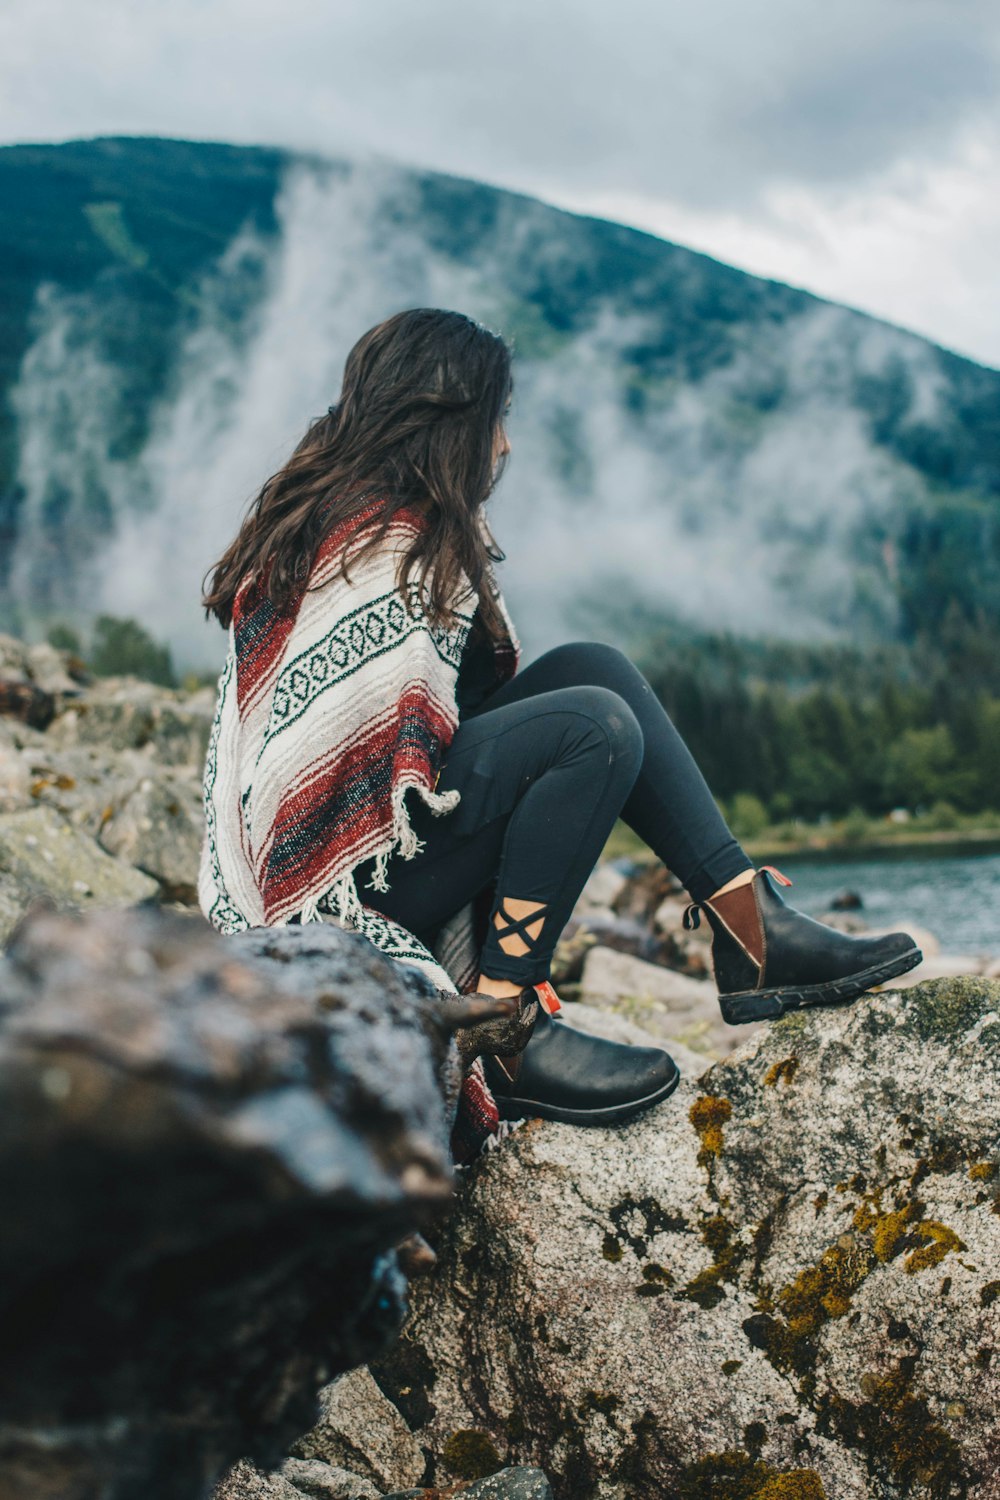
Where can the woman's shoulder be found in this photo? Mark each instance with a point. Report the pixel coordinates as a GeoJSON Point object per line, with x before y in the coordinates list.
{"type": "Point", "coordinates": [408, 519]}
{"type": "Point", "coordinates": [348, 540]}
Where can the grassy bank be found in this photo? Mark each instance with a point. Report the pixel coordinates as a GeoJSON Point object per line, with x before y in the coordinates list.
{"type": "Point", "coordinates": [941, 831]}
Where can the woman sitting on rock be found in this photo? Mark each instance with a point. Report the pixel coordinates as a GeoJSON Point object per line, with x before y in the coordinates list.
{"type": "Point", "coordinates": [371, 655]}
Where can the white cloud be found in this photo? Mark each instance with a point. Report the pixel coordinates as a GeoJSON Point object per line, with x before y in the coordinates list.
{"type": "Point", "coordinates": [917, 248]}
{"type": "Point", "coordinates": [848, 148]}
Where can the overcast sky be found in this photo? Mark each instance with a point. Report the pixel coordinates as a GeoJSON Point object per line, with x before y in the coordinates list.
{"type": "Point", "coordinates": [851, 147]}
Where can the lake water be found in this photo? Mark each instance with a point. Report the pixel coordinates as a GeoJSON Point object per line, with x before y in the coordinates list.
{"type": "Point", "coordinates": [957, 898]}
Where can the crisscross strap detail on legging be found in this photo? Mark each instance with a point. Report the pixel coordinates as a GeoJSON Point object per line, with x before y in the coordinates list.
{"type": "Point", "coordinates": [518, 926]}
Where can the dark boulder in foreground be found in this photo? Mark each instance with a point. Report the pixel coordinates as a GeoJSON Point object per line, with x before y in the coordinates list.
{"type": "Point", "coordinates": [207, 1153]}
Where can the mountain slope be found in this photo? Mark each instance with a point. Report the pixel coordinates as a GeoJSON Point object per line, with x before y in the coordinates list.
{"type": "Point", "coordinates": [720, 448]}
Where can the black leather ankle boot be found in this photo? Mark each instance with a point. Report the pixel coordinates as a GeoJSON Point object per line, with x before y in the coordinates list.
{"type": "Point", "coordinates": [770, 958]}
{"type": "Point", "coordinates": [568, 1075]}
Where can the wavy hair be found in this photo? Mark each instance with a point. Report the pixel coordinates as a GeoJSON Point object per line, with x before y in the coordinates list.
{"type": "Point", "coordinates": [423, 398]}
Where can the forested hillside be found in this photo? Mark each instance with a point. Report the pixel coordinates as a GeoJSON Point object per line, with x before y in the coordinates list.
{"type": "Point", "coordinates": [726, 460]}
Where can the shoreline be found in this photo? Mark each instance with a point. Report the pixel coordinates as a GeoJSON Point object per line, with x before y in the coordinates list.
{"type": "Point", "coordinates": [901, 846]}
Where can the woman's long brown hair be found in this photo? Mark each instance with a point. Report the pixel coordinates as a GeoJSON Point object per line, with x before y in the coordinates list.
{"type": "Point", "coordinates": [423, 399]}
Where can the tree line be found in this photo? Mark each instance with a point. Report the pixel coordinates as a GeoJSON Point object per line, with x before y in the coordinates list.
{"type": "Point", "coordinates": [814, 731]}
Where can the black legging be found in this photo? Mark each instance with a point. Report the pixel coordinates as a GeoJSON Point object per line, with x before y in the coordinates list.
{"type": "Point", "coordinates": [544, 767]}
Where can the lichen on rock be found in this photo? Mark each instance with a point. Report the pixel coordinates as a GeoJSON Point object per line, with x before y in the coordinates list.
{"type": "Point", "coordinates": [820, 1257]}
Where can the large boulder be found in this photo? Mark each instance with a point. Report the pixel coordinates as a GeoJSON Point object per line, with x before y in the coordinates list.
{"type": "Point", "coordinates": [148, 815]}
{"type": "Point", "coordinates": [43, 857]}
{"type": "Point", "coordinates": [208, 1149]}
{"type": "Point", "coordinates": [122, 713]}
{"type": "Point", "coordinates": [383, 1451]}
{"type": "Point", "coordinates": [159, 828]}
{"type": "Point", "coordinates": [87, 784]}
{"type": "Point", "coordinates": [784, 1281]}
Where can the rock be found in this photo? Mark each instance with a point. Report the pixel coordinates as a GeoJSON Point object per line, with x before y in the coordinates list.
{"type": "Point", "coordinates": [15, 780]}
{"type": "Point", "coordinates": [614, 978]}
{"type": "Point", "coordinates": [48, 667]}
{"type": "Point", "coordinates": [150, 816]}
{"type": "Point", "coordinates": [208, 1148]}
{"type": "Point", "coordinates": [647, 884]}
{"type": "Point", "coordinates": [669, 917]}
{"type": "Point", "coordinates": [506, 1484]}
{"type": "Point", "coordinates": [783, 1280]}
{"type": "Point", "coordinates": [159, 829]}
{"type": "Point", "coordinates": [358, 1426]}
{"type": "Point", "coordinates": [623, 934]}
{"type": "Point", "coordinates": [27, 702]}
{"type": "Point", "coordinates": [666, 1004]}
{"type": "Point", "coordinates": [511, 1484]}
{"type": "Point", "coordinates": [124, 713]}
{"type": "Point", "coordinates": [605, 884]}
{"type": "Point", "coordinates": [14, 902]}
{"type": "Point", "coordinates": [312, 1477]}
{"type": "Point", "coordinates": [575, 942]}
{"type": "Point", "coordinates": [13, 657]}
{"type": "Point", "coordinates": [17, 736]}
{"type": "Point", "coordinates": [42, 857]}
{"type": "Point", "coordinates": [689, 951]}
{"type": "Point", "coordinates": [85, 784]}
{"type": "Point", "coordinates": [245, 1482]}
{"type": "Point", "coordinates": [847, 900]}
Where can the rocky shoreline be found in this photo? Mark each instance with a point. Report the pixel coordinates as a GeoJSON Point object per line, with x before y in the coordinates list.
{"type": "Point", "coordinates": [100, 805]}
{"type": "Point", "coordinates": [785, 1282]}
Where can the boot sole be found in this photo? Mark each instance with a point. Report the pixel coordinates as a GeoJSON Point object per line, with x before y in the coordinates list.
{"type": "Point", "coordinates": [768, 1005]}
{"type": "Point", "coordinates": [519, 1109]}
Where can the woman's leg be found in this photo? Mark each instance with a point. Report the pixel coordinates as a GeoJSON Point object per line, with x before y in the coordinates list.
{"type": "Point", "coordinates": [670, 806]}
{"type": "Point", "coordinates": [768, 957]}
{"type": "Point", "coordinates": [541, 782]}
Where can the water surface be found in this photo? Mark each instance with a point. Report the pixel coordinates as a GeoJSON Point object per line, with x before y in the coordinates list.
{"type": "Point", "coordinates": [956, 898]}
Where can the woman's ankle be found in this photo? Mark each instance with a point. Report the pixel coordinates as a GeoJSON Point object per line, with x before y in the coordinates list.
{"type": "Point", "coordinates": [743, 878]}
{"type": "Point", "coordinates": [501, 988]}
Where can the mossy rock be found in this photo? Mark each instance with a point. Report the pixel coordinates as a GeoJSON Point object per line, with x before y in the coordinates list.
{"type": "Point", "coordinates": [948, 1007]}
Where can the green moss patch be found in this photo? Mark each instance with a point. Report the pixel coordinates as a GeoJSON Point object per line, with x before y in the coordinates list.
{"type": "Point", "coordinates": [470, 1454]}
{"type": "Point", "coordinates": [898, 1434]}
{"type": "Point", "coordinates": [824, 1291]}
{"type": "Point", "coordinates": [943, 1008]}
{"type": "Point", "coordinates": [888, 1230]}
{"type": "Point", "coordinates": [781, 1072]}
{"type": "Point", "coordinates": [737, 1475]}
{"type": "Point", "coordinates": [938, 1241]}
{"type": "Point", "coordinates": [705, 1289]}
{"type": "Point", "coordinates": [708, 1114]}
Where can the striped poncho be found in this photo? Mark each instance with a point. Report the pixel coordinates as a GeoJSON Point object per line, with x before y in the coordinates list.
{"type": "Point", "coordinates": [328, 714]}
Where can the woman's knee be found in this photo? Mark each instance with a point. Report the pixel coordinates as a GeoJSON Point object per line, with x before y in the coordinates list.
{"type": "Point", "coordinates": [588, 662]}
{"type": "Point", "coordinates": [610, 718]}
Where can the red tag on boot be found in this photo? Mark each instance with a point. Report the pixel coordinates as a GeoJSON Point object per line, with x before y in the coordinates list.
{"type": "Point", "coordinates": [547, 997]}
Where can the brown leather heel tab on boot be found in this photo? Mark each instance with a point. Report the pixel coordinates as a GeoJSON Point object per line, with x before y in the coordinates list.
{"type": "Point", "coordinates": [739, 913]}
